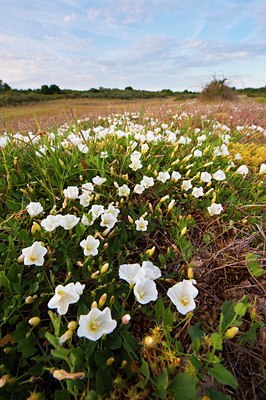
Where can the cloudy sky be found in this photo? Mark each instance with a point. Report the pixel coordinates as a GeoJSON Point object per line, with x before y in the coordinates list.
{"type": "Point", "coordinates": [147, 44]}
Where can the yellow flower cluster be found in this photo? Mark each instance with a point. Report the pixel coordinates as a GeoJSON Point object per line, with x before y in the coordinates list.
{"type": "Point", "coordinates": [252, 154]}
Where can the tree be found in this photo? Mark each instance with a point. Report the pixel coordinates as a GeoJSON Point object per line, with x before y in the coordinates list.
{"type": "Point", "coordinates": [4, 86]}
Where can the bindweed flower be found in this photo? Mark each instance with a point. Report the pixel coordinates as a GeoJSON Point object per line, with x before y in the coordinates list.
{"type": "Point", "coordinates": [112, 210]}
{"type": "Point", "coordinates": [242, 170]}
{"type": "Point", "coordinates": [186, 185]}
{"type": "Point", "coordinates": [87, 188]}
{"type": "Point", "coordinates": [34, 255]}
{"type": "Point", "coordinates": [163, 176]}
{"type": "Point", "coordinates": [34, 208]}
{"type": "Point", "coordinates": [123, 190]}
{"type": "Point", "coordinates": [151, 271]}
{"type": "Point", "coordinates": [182, 295]}
{"type": "Point", "coordinates": [205, 177]}
{"type": "Point", "coordinates": [219, 175]}
{"type": "Point", "coordinates": [64, 296]}
{"type": "Point", "coordinates": [147, 181]}
{"type": "Point", "coordinates": [51, 222]}
{"type": "Point", "coordinates": [96, 323]}
{"type": "Point", "coordinates": [262, 169]}
{"type": "Point", "coordinates": [84, 199]}
{"type": "Point", "coordinates": [197, 192]}
{"type": "Point", "coordinates": [129, 272]}
{"type": "Point", "coordinates": [145, 290]}
{"type": "Point", "coordinates": [108, 220]}
{"type": "Point", "coordinates": [98, 181]}
{"type": "Point", "coordinates": [215, 209]}
{"type": "Point", "coordinates": [141, 224]}
{"type": "Point", "coordinates": [71, 192]}
{"type": "Point", "coordinates": [68, 221]}
{"type": "Point", "coordinates": [197, 153]}
{"type": "Point", "coordinates": [90, 246]}
{"type": "Point", "coordinates": [139, 189]}
{"type": "Point", "coordinates": [175, 176]}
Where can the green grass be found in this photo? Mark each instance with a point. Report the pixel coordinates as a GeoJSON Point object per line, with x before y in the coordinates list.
{"type": "Point", "coordinates": [160, 353]}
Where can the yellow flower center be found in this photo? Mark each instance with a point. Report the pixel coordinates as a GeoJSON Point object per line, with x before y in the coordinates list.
{"type": "Point", "coordinates": [32, 257]}
{"type": "Point", "coordinates": [61, 293]}
{"type": "Point", "coordinates": [184, 300]}
{"type": "Point", "coordinates": [88, 247]}
{"type": "Point", "coordinates": [93, 326]}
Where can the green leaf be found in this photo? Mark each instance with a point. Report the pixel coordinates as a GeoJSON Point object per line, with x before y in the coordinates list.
{"type": "Point", "coordinates": [253, 265]}
{"type": "Point", "coordinates": [217, 341]}
{"type": "Point", "coordinates": [61, 395]}
{"type": "Point", "coordinates": [51, 339]}
{"type": "Point", "coordinates": [251, 335]}
{"type": "Point", "coordinates": [222, 375]}
{"type": "Point", "coordinates": [195, 332]}
{"type": "Point", "coordinates": [241, 308]}
{"type": "Point", "coordinates": [144, 369]}
{"type": "Point", "coordinates": [184, 386]}
{"type": "Point", "coordinates": [227, 315]}
{"type": "Point", "coordinates": [26, 347]}
{"type": "Point", "coordinates": [60, 353]}
{"type": "Point", "coordinates": [214, 395]}
{"type": "Point", "coordinates": [114, 342]}
{"type": "Point", "coordinates": [56, 321]}
{"type": "Point", "coordinates": [4, 281]}
{"type": "Point", "coordinates": [162, 380]}
{"type": "Point", "coordinates": [160, 310]}
{"type": "Point", "coordinates": [103, 381]}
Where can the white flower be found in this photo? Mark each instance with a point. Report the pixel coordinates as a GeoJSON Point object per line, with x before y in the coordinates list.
{"type": "Point", "coordinates": [85, 221]}
{"type": "Point", "coordinates": [197, 192]}
{"type": "Point", "coordinates": [71, 192]}
{"type": "Point", "coordinates": [64, 296]}
{"type": "Point", "coordinates": [139, 189]}
{"type": "Point", "coordinates": [135, 164]}
{"type": "Point", "coordinates": [90, 246]}
{"type": "Point", "coordinates": [3, 142]}
{"type": "Point", "coordinates": [96, 323]}
{"type": "Point", "coordinates": [103, 154]}
{"type": "Point", "coordinates": [141, 224]}
{"type": "Point", "coordinates": [147, 181]}
{"type": "Point", "coordinates": [175, 176]}
{"type": "Point", "coordinates": [197, 153]}
{"type": "Point", "coordinates": [205, 177]}
{"type": "Point", "coordinates": [242, 170]}
{"type": "Point", "coordinates": [112, 210]}
{"type": "Point", "coordinates": [186, 185]}
{"type": "Point", "coordinates": [151, 271]}
{"type": "Point", "coordinates": [123, 190]}
{"type": "Point", "coordinates": [262, 169]}
{"type": "Point", "coordinates": [51, 222]}
{"type": "Point", "coordinates": [182, 295]}
{"type": "Point", "coordinates": [163, 176]}
{"type": "Point", "coordinates": [129, 272]}
{"type": "Point", "coordinates": [34, 255]}
{"type": "Point", "coordinates": [145, 291]}
{"type": "Point", "coordinates": [97, 180]}
{"type": "Point", "coordinates": [96, 211]}
{"type": "Point", "coordinates": [84, 199]}
{"type": "Point", "coordinates": [68, 221]}
{"type": "Point", "coordinates": [79, 288]}
{"type": "Point", "coordinates": [34, 208]}
{"type": "Point", "coordinates": [219, 175]}
{"type": "Point", "coordinates": [108, 220]}
{"type": "Point", "coordinates": [87, 187]}
{"type": "Point", "coordinates": [215, 209]}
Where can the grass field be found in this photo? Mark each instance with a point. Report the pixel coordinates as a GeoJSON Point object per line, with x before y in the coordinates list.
{"type": "Point", "coordinates": [133, 251]}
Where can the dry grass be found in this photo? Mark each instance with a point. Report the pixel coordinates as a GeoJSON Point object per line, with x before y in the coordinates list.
{"type": "Point", "coordinates": [53, 113]}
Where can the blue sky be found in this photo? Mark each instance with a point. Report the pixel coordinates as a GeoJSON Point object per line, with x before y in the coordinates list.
{"type": "Point", "coordinates": [147, 44]}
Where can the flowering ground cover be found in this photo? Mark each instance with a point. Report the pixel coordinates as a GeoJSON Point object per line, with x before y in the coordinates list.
{"type": "Point", "coordinates": [132, 256]}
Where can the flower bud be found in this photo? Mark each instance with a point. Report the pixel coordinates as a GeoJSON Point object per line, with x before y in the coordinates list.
{"type": "Point", "coordinates": [29, 300]}
{"type": "Point", "coordinates": [125, 319]}
{"type": "Point", "coordinates": [110, 361]}
{"type": "Point", "coordinates": [184, 231]}
{"type": "Point", "coordinates": [35, 228]}
{"type": "Point", "coordinates": [171, 205]}
{"type": "Point", "coordinates": [95, 274]}
{"type": "Point", "coordinates": [231, 332]}
{"type": "Point", "coordinates": [94, 304]}
{"type": "Point", "coordinates": [244, 221]}
{"type": "Point", "coordinates": [20, 259]}
{"type": "Point", "coordinates": [112, 300]}
{"type": "Point", "coordinates": [104, 268]}
{"type": "Point", "coordinates": [150, 252]}
{"type": "Point", "coordinates": [34, 321]}
{"type": "Point", "coordinates": [102, 300]}
{"type": "Point", "coordinates": [4, 380]}
{"type": "Point", "coordinates": [124, 364]}
{"type": "Point", "coordinates": [72, 325]}
{"type": "Point", "coordinates": [66, 336]}
{"type": "Point", "coordinates": [162, 200]}
{"type": "Point", "coordinates": [149, 167]}
{"type": "Point", "coordinates": [130, 219]}
{"type": "Point", "coordinates": [190, 273]}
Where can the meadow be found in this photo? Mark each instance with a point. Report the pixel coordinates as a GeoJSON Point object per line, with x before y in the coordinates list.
{"type": "Point", "coordinates": [133, 251]}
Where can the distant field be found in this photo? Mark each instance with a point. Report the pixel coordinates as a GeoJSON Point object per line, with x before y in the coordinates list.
{"type": "Point", "coordinates": [53, 113]}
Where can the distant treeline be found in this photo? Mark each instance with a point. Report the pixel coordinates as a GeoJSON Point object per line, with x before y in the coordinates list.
{"type": "Point", "coordinates": [9, 96]}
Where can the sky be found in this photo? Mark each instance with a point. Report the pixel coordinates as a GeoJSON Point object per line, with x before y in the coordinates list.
{"type": "Point", "coordinates": [146, 44]}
